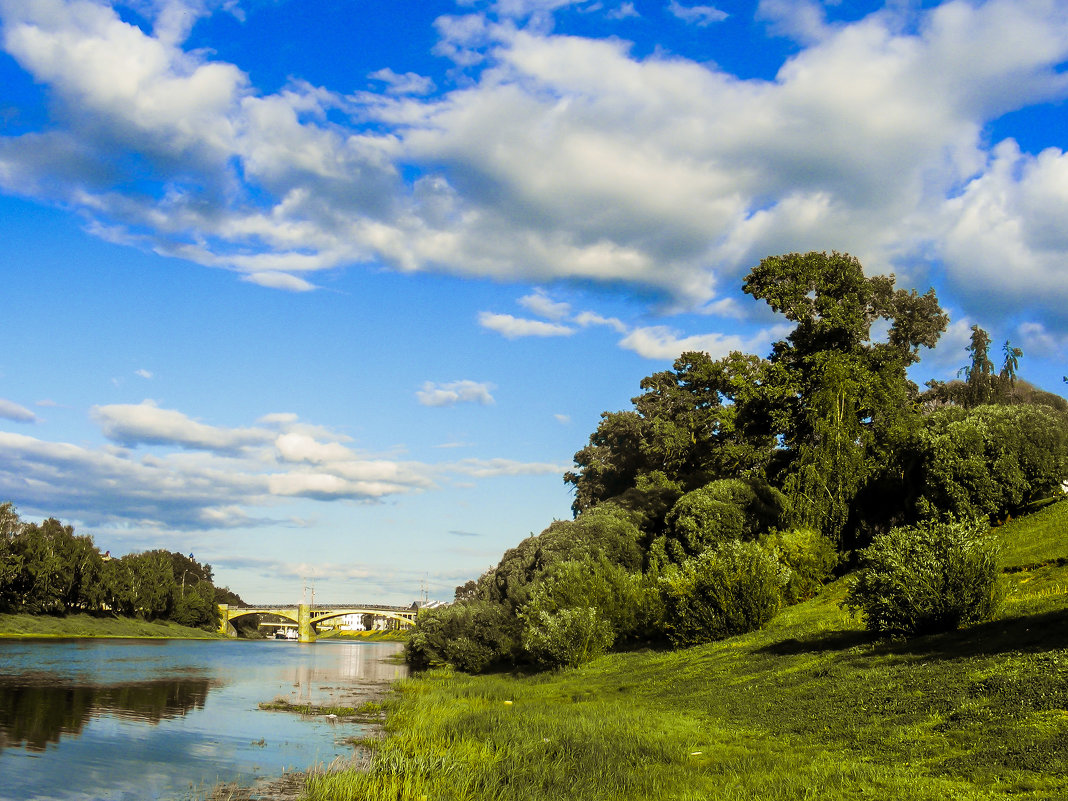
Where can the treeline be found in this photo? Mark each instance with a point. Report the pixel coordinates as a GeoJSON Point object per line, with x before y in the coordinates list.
{"type": "Point", "coordinates": [45, 568]}
{"type": "Point", "coordinates": [737, 485]}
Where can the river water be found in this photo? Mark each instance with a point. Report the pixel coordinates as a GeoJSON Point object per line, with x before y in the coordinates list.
{"type": "Point", "coordinates": [129, 720]}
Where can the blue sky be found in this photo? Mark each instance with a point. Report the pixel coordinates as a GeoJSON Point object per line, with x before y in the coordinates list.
{"type": "Point", "coordinates": [330, 292]}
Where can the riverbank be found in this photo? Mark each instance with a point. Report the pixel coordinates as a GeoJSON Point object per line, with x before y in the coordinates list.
{"type": "Point", "coordinates": [82, 625]}
{"type": "Point", "coordinates": [810, 707]}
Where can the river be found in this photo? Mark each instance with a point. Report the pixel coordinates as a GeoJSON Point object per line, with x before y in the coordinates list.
{"type": "Point", "coordinates": [129, 720]}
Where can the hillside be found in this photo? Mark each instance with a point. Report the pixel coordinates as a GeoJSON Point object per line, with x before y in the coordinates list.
{"type": "Point", "coordinates": [809, 707]}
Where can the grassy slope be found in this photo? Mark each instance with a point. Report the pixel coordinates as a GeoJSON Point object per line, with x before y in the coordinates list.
{"type": "Point", "coordinates": [810, 707]}
{"type": "Point", "coordinates": [87, 626]}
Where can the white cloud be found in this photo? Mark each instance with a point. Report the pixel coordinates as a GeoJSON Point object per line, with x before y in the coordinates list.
{"type": "Point", "coordinates": [513, 327]}
{"type": "Point", "coordinates": [701, 16]}
{"type": "Point", "coordinates": [219, 479]}
{"type": "Point", "coordinates": [9, 410]}
{"type": "Point", "coordinates": [407, 84]}
{"type": "Point", "coordinates": [453, 392]}
{"type": "Point", "coordinates": [296, 447]}
{"type": "Point", "coordinates": [561, 157]}
{"type": "Point", "coordinates": [147, 423]}
{"type": "Point", "coordinates": [562, 419]}
{"type": "Point", "coordinates": [661, 342]}
{"type": "Point", "coordinates": [145, 374]}
{"type": "Point", "coordinates": [801, 20]}
{"type": "Point", "coordinates": [489, 468]}
{"type": "Point", "coordinates": [279, 280]}
{"type": "Point", "coordinates": [1005, 236]}
{"type": "Point", "coordinates": [542, 305]}
{"type": "Point", "coordinates": [588, 318]}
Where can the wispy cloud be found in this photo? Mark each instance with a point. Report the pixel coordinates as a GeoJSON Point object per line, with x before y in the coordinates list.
{"type": "Point", "coordinates": [514, 327]}
{"type": "Point", "coordinates": [220, 478]}
{"type": "Point", "coordinates": [454, 392]}
{"type": "Point", "coordinates": [701, 16]}
{"type": "Point", "coordinates": [9, 410]}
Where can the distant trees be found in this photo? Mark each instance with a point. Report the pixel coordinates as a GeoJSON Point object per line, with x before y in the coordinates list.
{"type": "Point", "coordinates": [46, 569]}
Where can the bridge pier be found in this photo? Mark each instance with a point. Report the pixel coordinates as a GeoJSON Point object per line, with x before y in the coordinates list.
{"type": "Point", "coordinates": [224, 620]}
{"type": "Point", "coordinates": [305, 629]}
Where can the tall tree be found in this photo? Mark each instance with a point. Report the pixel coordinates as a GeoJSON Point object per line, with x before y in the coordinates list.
{"type": "Point", "coordinates": [841, 400]}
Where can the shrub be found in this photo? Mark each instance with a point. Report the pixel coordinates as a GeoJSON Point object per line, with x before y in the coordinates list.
{"type": "Point", "coordinates": [565, 637]}
{"type": "Point", "coordinates": [731, 589]}
{"type": "Point", "coordinates": [472, 636]}
{"type": "Point", "coordinates": [989, 461]}
{"type": "Point", "coordinates": [810, 557]}
{"type": "Point", "coordinates": [928, 578]}
{"type": "Point", "coordinates": [722, 510]}
{"type": "Point", "coordinates": [616, 594]}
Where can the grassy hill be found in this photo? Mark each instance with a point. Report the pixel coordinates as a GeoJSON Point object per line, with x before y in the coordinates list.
{"type": "Point", "coordinates": [810, 707]}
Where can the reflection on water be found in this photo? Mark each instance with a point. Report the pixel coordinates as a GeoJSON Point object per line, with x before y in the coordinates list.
{"type": "Point", "coordinates": [100, 719]}
{"type": "Point", "coordinates": [36, 712]}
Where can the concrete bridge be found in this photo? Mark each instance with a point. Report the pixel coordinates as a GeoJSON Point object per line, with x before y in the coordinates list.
{"type": "Point", "coordinates": [307, 617]}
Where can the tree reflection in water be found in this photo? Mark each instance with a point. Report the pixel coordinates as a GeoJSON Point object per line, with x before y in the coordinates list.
{"type": "Point", "coordinates": [37, 710]}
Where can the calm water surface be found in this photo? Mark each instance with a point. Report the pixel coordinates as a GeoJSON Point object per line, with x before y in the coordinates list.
{"type": "Point", "coordinates": [136, 719]}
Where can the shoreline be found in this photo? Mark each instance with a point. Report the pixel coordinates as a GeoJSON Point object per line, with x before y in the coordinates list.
{"type": "Point", "coordinates": [83, 626]}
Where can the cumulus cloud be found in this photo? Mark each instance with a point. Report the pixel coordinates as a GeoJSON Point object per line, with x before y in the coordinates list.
{"type": "Point", "coordinates": [557, 156]}
{"type": "Point", "coordinates": [1005, 235]}
{"type": "Point", "coordinates": [514, 327]}
{"type": "Point", "coordinates": [449, 394]}
{"type": "Point", "coordinates": [9, 410]}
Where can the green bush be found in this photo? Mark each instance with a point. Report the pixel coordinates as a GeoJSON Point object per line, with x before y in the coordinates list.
{"type": "Point", "coordinates": [989, 461]}
{"type": "Point", "coordinates": [472, 636]}
{"type": "Point", "coordinates": [565, 637]}
{"type": "Point", "coordinates": [722, 510]}
{"type": "Point", "coordinates": [810, 557]}
{"type": "Point", "coordinates": [928, 578]}
{"type": "Point", "coordinates": [730, 589]}
{"type": "Point", "coordinates": [618, 595]}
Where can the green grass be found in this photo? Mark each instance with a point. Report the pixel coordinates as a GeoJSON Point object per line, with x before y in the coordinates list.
{"type": "Point", "coordinates": [82, 625]}
{"type": "Point", "coordinates": [392, 635]}
{"type": "Point", "coordinates": [810, 707]}
{"type": "Point", "coordinates": [1039, 538]}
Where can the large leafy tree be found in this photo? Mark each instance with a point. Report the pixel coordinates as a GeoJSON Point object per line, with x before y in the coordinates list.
{"type": "Point", "coordinates": [689, 426]}
{"type": "Point", "coordinates": [840, 399]}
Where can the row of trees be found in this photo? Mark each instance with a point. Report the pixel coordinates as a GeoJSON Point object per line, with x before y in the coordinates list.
{"type": "Point", "coordinates": [736, 485]}
{"type": "Point", "coordinates": [45, 568]}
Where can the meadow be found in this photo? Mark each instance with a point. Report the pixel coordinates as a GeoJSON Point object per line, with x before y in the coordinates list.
{"type": "Point", "coordinates": [811, 706]}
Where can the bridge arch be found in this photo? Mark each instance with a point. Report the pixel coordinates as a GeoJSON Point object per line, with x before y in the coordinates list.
{"type": "Point", "coordinates": [306, 617]}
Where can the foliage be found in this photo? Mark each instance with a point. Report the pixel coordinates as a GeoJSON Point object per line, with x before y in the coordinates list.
{"type": "Point", "coordinates": [618, 596]}
{"type": "Point", "coordinates": [810, 706]}
{"type": "Point", "coordinates": [45, 568]}
{"type": "Point", "coordinates": [810, 557]}
{"type": "Point", "coordinates": [988, 461]}
{"type": "Point", "coordinates": [689, 425]}
{"type": "Point", "coordinates": [722, 510]}
{"type": "Point", "coordinates": [473, 636]}
{"type": "Point", "coordinates": [606, 530]}
{"type": "Point", "coordinates": [730, 589]}
{"type": "Point", "coordinates": [929, 578]}
{"type": "Point", "coordinates": [566, 637]}
{"type": "Point", "coordinates": [840, 401]}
